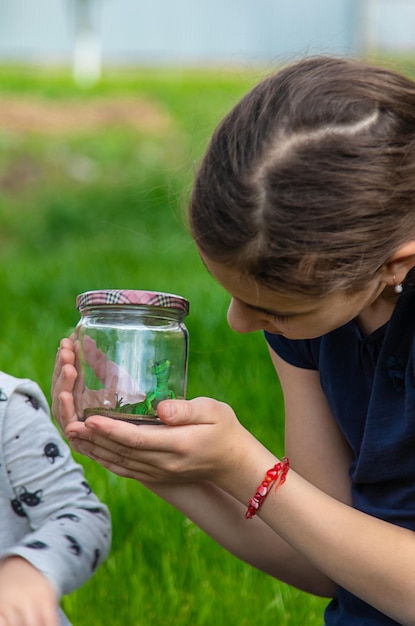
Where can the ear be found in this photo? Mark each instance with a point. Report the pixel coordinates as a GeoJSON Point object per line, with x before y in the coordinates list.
{"type": "Point", "coordinates": [401, 262]}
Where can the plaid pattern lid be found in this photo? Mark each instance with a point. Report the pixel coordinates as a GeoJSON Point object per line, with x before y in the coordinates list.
{"type": "Point", "coordinates": [130, 296]}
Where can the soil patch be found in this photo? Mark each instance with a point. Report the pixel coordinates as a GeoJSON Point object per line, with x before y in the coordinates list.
{"type": "Point", "coordinates": [57, 117]}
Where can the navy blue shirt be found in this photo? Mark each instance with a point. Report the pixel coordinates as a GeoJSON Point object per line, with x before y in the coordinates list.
{"type": "Point", "coordinates": [369, 384]}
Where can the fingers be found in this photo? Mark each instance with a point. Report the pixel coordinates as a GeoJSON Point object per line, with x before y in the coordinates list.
{"type": "Point", "coordinates": [106, 439]}
{"type": "Point", "coordinates": [64, 356]}
{"type": "Point", "coordinates": [37, 613]}
{"type": "Point", "coordinates": [126, 439]}
{"type": "Point", "coordinates": [118, 435]}
{"type": "Point", "coordinates": [63, 382]}
{"type": "Point", "coordinates": [65, 352]}
{"type": "Point", "coordinates": [197, 411]}
{"type": "Point", "coordinates": [63, 409]}
{"type": "Point", "coordinates": [66, 413]}
{"type": "Point", "coordinates": [128, 450]}
{"type": "Point", "coordinates": [190, 444]}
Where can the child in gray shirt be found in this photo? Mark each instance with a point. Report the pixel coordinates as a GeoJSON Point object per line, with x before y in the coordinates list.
{"type": "Point", "coordinates": [54, 532]}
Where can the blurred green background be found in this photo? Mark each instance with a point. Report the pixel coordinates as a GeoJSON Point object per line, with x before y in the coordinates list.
{"type": "Point", "coordinates": [93, 193]}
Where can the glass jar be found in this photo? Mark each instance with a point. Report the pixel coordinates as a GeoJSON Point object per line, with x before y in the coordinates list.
{"type": "Point", "coordinates": [131, 352]}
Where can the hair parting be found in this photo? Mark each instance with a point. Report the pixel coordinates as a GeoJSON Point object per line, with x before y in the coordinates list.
{"type": "Point", "coordinates": [308, 184]}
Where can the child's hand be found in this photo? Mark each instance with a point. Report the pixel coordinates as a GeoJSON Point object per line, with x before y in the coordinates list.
{"type": "Point", "coordinates": [69, 394]}
{"type": "Point", "coordinates": [202, 440]}
{"type": "Point", "coordinates": [26, 596]}
{"type": "Point", "coordinates": [63, 385]}
{"type": "Point", "coordinates": [68, 387]}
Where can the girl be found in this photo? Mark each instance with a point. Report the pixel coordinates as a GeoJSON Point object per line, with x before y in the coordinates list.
{"type": "Point", "coordinates": [304, 210]}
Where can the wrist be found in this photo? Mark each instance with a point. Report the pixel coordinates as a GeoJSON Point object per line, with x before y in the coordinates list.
{"type": "Point", "coordinates": [247, 470]}
{"type": "Point", "coordinates": [274, 478]}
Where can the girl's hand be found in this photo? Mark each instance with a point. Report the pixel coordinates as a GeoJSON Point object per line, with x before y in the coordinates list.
{"type": "Point", "coordinates": [201, 439]}
{"type": "Point", "coordinates": [26, 596]}
{"type": "Point", "coordinates": [63, 385]}
{"type": "Point", "coordinates": [70, 396]}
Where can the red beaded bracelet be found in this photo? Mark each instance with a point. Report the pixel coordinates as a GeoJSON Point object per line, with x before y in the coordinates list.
{"type": "Point", "coordinates": [276, 473]}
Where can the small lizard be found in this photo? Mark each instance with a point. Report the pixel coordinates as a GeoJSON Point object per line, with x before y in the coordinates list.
{"type": "Point", "coordinates": [161, 371]}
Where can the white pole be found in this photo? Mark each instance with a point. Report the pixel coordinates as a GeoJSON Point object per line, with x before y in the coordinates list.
{"type": "Point", "coordinates": [87, 54]}
{"type": "Point", "coordinates": [369, 26]}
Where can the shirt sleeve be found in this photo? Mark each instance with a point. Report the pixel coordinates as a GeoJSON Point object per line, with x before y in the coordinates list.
{"type": "Point", "coordinates": [301, 353]}
{"type": "Point", "coordinates": [70, 528]}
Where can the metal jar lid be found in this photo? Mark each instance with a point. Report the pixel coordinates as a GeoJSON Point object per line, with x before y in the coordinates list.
{"type": "Point", "coordinates": [134, 297]}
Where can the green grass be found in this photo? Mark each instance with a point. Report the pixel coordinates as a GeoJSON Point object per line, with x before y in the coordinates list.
{"type": "Point", "coordinates": [104, 209]}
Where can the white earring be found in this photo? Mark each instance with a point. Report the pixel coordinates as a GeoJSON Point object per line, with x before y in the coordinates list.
{"type": "Point", "coordinates": [398, 288]}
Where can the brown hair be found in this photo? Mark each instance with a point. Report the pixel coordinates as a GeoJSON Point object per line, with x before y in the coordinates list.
{"type": "Point", "coordinates": [308, 184]}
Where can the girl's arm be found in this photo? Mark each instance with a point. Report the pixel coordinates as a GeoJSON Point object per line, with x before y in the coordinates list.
{"type": "Point", "coordinates": [317, 450]}
{"type": "Point", "coordinates": [313, 441]}
{"type": "Point", "coordinates": [371, 558]}
{"type": "Point", "coordinates": [222, 517]}
{"type": "Point", "coordinates": [218, 514]}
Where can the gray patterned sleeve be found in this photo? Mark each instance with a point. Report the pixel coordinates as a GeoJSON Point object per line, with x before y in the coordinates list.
{"type": "Point", "coordinates": [68, 529]}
